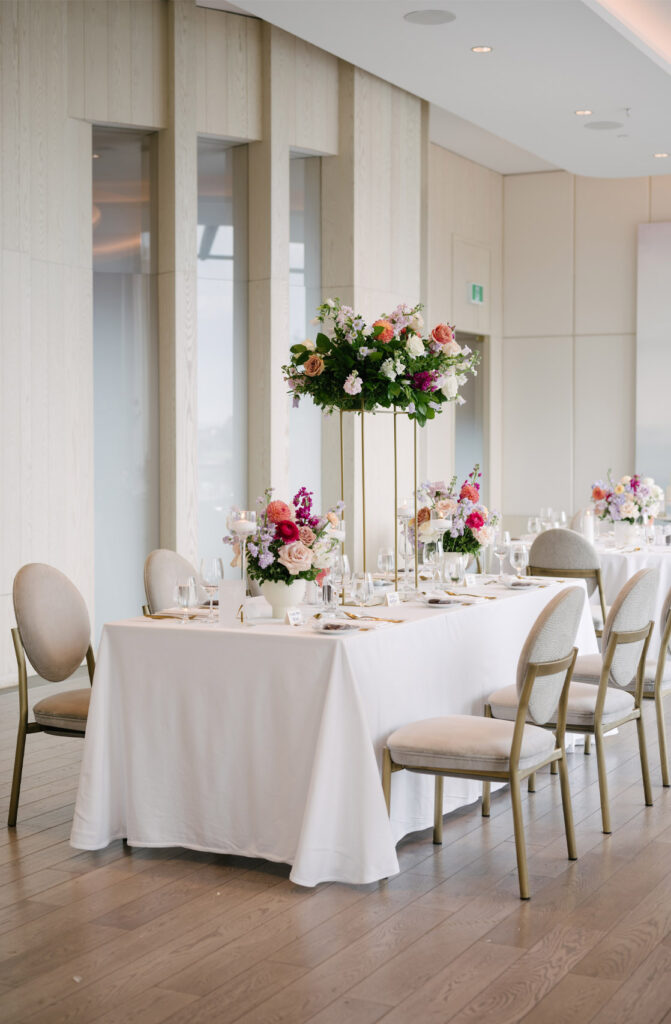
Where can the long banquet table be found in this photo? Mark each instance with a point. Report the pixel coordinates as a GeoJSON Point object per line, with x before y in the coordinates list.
{"type": "Point", "coordinates": [620, 564]}
{"type": "Point", "coordinates": [266, 740]}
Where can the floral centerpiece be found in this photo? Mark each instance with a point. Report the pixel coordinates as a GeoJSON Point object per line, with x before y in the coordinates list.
{"type": "Point", "coordinates": [353, 365]}
{"type": "Point", "coordinates": [292, 545]}
{"type": "Point", "coordinates": [473, 525]}
{"type": "Point", "coordinates": [632, 500]}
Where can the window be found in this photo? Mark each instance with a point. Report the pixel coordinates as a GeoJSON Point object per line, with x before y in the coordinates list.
{"type": "Point", "coordinates": [125, 369]}
{"type": "Point", "coordinates": [222, 337]}
{"type": "Point", "coordinates": [305, 424]}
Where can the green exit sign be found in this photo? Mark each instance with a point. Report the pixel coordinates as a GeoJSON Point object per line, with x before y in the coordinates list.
{"type": "Point", "coordinates": [476, 294]}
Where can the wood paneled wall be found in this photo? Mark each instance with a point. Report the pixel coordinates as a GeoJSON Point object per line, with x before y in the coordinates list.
{"type": "Point", "coordinates": [569, 326]}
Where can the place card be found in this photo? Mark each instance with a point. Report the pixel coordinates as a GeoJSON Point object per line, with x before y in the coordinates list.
{"type": "Point", "coordinates": [393, 598]}
{"type": "Point", "coordinates": [294, 617]}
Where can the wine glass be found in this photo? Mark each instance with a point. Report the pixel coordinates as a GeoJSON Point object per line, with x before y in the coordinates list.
{"type": "Point", "coordinates": [519, 558]}
{"type": "Point", "coordinates": [242, 523]}
{"type": "Point", "coordinates": [363, 588]}
{"type": "Point", "coordinates": [501, 546]}
{"type": "Point", "coordinates": [404, 513]}
{"type": "Point", "coordinates": [534, 525]}
{"type": "Point", "coordinates": [547, 518]}
{"type": "Point", "coordinates": [455, 567]}
{"type": "Point", "coordinates": [340, 575]}
{"type": "Point", "coordinates": [562, 519]}
{"type": "Point", "coordinates": [385, 561]}
{"type": "Point", "coordinates": [211, 572]}
{"type": "Point", "coordinates": [185, 596]}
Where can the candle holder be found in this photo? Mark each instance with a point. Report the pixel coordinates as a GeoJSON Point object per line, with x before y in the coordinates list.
{"type": "Point", "coordinates": [242, 523]}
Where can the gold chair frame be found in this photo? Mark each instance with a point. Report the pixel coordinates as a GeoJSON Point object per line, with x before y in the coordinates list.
{"type": "Point", "coordinates": [657, 695]}
{"type": "Point", "coordinates": [597, 729]}
{"type": "Point", "coordinates": [26, 727]}
{"type": "Point", "coordinates": [575, 574]}
{"type": "Point", "coordinates": [514, 775]}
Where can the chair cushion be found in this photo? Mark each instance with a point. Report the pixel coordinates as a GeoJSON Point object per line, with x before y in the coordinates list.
{"type": "Point", "coordinates": [588, 670]}
{"type": "Point", "coordinates": [581, 704]}
{"type": "Point", "coordinates": [466, 743]}
{"type": "Point", "coordinates": [67, 710]}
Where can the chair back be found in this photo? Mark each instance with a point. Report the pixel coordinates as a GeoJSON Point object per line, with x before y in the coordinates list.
{"type": "Point", "coordinates": [551, 638]}
{"type": "Point", "coordinates": [163, 569]}
{"type": "Point", "coordinates": [665, 626]}
{"type": "Point", "coordinates": [632, 610]}
{"type": "Point", "coordinates": [564, 551]}
{"type": "Point", "coordinates": [52, 620]}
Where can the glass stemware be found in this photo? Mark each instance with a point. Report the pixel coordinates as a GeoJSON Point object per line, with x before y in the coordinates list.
{"type": "Point", "coordinates": [363, 588]}
{"type": "Point", "coordinates": [211, 572]}
{"type": "Point", "coordinates": [519, 558]}
{"type": "Point", "coordinates": [534, 525]}
{"type": "Point", "coordinates": [185, 596]}
{"type": "Point", "coordinates": [385, 561]}
{"type": "Point", "coordinates": [547, 518]}
{"type": "Point", "coordinates": [501, 546]}
{"type": "Point", "coordinates": [455, 567]}
{"type": "Point", "coordinates": [405, 513]}
{"type": "Point", "coordinates": [242, 523]}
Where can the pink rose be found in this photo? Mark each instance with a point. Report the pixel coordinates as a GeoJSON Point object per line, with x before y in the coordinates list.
{"type": "Point", "coordinates": [278, 511]}
{"type": "Point", "coordinates": [306, 536]}
{"type": "Point", "coordinates": [287, 531]}
{"type": "Point", "coordinates": [442, 333]}
{"type": "Point", "coordinates": [295, 558]}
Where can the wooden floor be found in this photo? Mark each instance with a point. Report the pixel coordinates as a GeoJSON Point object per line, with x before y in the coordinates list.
{"type": "Point", "coordinates": [149, 936]}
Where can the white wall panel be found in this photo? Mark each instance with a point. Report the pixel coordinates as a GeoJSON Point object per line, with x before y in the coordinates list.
{"type": "Point", "coordinates": [604, 400]}
{"type": "Point", "coordinates": [538, 254]}
{"type": "Point", "coordinates": [660, 198]}
{"type": "Point", "coordinates": [608, 212]}
{"type": "Point", "coordinates": [537, 424]}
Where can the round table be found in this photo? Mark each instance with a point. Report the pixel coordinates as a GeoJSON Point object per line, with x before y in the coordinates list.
{"type": "Point", "coordinates": [620, 564]}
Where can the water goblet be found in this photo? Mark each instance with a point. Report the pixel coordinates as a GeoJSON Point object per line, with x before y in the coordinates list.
{"type": "Point", "coordinates": [211, 573]}
{"type": "Point", "coordinates": [534, 525]}
{"type": "Point", "coordinates": [519, 558]}
{"type": "Point", "coordinates": [547, 518]}
{"type": "Point", "coordinates": [501, 545]}
{"type": "Point", "coordinates": [185, 596]}
{"type": "Point", "coordinates": [363, 588]}
{"type": "Point", "coordinates": [385, 561]}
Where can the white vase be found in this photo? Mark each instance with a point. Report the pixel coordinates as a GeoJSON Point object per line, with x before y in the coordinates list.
{"type": "Point", "coordinates": [626, 534]}
{"type": "Point", "coordinates": [281, 596]}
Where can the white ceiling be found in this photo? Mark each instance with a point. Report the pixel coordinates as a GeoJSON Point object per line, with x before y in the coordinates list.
{"type": "Point", "coordinates": [513, 109]}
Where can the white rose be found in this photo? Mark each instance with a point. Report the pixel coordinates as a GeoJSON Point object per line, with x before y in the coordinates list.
{"type": "Point", "coordinates": [309, 344]}
{"type": "Point", "coordinates": [453, 348]}
{"type": "Point", "coordinates": [629, 510]}
{"type": "Point", "coordinates": [484, 536]}
{"type": "Point", "coordinates": [295, 557]}
{"type": "Point", "coordinates": [323, 553]}
{"type": "Point", "coordinates": [414, 346]}
{"type": "Point", "coordinates": [449, 387]}
{"type": "Point", "coordinates": [625, 480]}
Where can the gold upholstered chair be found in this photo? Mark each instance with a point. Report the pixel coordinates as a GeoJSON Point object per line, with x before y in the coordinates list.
{"type": "Point", "coordinates": [53, 631]}
{"type": "Point", "coordinates": [466, 746]}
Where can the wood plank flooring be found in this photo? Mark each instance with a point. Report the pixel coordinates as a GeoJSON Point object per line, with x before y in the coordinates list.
{"type": "Point", "coordinates": [154, 936]}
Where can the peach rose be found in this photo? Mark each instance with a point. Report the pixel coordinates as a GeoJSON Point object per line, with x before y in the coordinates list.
{"type": "Point", "coordinates": [598, 494]}
{"type": "Point", "coordinates": [446, 506]}
{"type": "Point", "coordinates": [387, 332]}
{"type": "Point", "coordinates": [306, 536]}
{"type": "Point", "coordinates": [452, 348]}
{"type": "Point", "coordinates": [332, 518]}
{"type": "Point", "coordinates": [442, 333]}
{"type": "Point", "coordinates": [295, 557]}
{"type": "Point", "coordinates": [278, 511]}
{"type": "Point", "coordinates": [313, 366]}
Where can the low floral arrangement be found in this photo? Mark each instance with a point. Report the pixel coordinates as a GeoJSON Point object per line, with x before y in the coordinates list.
{"type": "Point", "coordinates": [473, 525]}
{"type": "Point", "coordinates": [291, 542]}
{"type": "Point", "coordinates": [353, 365]}
{"type": "Point", "coordinates": [630, 501]}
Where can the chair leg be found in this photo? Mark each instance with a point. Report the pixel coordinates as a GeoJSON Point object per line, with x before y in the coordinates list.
{"type": "Point", "coordinates": [486, 798]}
{"type": "Point", "coordinates": [532, 783]}
{"type": "Point", "coordinates": [16, 778]}
{"type": "Point", "coordinates": [567, 808]}
{"type": "Point", "coordinates": [661, 732]}
{"type": "Point", "coordinates": [642, 749]}
{"type": "Point", "coordinates": [386, 778]}
{"type": "Point", "coordinates": [603, 782]}
{"type": "Point", "coordinates": [588, 743]}
{"type": "Point", "coordinates": [520, 846]}
{"type": "Point", "coordinates": [438, 812]}
{"type": "Point", "coordinates": [553, 768]}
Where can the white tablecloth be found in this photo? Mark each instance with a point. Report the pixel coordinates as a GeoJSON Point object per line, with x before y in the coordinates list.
{"type": "Point", "coordinates": [266, 741]}
{"type": "Point", "coordinates": [617, 566]}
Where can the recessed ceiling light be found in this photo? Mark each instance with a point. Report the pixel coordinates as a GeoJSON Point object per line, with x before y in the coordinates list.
{"type": "Point", "coordinates": [481, 49]}
{"type": "Point", "coordinates": [430, 17]}
{"type": "Point", "coordinates": [660, 156]}
{"type": "Point", "coordinates": [583, 113]}
{"type": "Point", "coordinates": [96, 156]}
{"type": "Point", "coordinates": [603, 126]}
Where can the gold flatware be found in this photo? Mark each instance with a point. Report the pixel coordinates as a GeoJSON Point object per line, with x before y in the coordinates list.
{"type": "Point", "coordinates": [177, 618]}
{"type": "Point", "coordinates": [375, 618]}
{"type": "Point", "coordinates": [465, 593]}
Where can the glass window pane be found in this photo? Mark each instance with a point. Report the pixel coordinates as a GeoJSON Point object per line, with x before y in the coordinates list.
{"type": "Point", "coordinates": [305, 423]}
{"type": "Point", "coordinates": [222, 337]}
{"type": "Point", "coordinates": [125, 370]}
